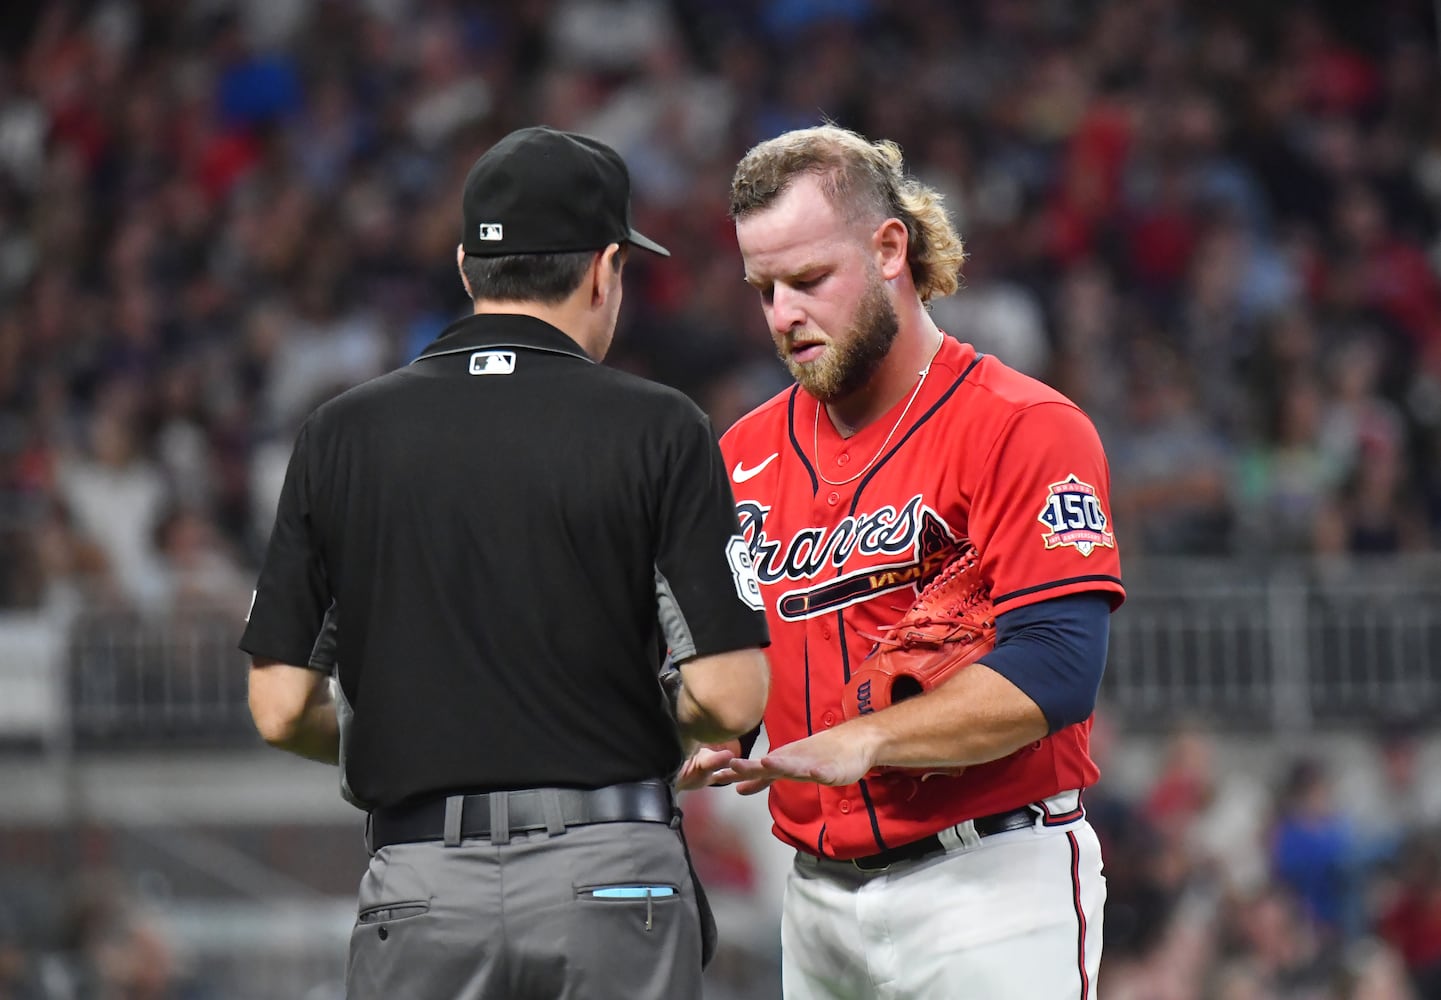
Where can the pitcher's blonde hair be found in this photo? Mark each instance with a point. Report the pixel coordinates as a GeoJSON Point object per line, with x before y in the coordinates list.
{"type": "Point", "coordinates": [860, 178]}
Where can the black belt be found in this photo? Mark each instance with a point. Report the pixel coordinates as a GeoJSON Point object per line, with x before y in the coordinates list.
{"type": "Point", "coordinates": [635, 802]}
{"type": "Point", "coordinates": [1016, 819]}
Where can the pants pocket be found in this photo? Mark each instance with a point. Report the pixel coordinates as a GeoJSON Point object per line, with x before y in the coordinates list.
{"type": "Point", "coordinates": [634, 939]}
{"type": "Point", "coordinates": [390, 929]}
{"type": "Point", "coordinates": [628, 891]}
{"type": "Point", "coordinates": [386, 913]}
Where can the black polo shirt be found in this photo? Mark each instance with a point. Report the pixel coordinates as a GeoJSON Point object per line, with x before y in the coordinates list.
{"type": "Point", "coordinates": [511, 536]}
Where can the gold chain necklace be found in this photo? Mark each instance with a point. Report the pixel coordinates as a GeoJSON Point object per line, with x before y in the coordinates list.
{"type": "Point", "coordinates": [816, 427]}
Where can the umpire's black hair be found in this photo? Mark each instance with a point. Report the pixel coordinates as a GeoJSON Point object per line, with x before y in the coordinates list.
{"type": "Point", "coordinates": [546, 278]}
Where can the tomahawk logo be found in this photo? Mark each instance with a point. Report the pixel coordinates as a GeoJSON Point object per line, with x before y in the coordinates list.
{"type": "Point", "coordinates": [914, 530]}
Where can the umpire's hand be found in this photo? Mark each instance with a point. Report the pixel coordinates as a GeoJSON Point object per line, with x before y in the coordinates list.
{"type": "Point", "coordinates": [707, 766]}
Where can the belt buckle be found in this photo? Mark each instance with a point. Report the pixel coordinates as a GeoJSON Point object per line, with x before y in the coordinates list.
{"type": "Point", "coordinates": [874, 870]}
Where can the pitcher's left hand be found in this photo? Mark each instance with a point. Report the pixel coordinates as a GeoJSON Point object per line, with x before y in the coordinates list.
{"type": "Point", "coordinates": [839, 756]}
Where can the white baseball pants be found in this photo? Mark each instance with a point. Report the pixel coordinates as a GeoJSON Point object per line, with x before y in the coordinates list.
{"type": "Point", "coordinates": [1013, 916]}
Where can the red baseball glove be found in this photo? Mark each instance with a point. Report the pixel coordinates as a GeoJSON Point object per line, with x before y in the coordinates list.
{"type": "Point", "coordinates": [951, 625]}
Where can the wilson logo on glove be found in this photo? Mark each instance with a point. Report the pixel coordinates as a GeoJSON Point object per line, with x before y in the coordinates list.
{"type": "Point", "coordinates": [951, 625]}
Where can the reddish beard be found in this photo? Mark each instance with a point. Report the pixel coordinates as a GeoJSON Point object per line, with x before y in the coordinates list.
{"type": "Point", "coordinates": [850, 361]}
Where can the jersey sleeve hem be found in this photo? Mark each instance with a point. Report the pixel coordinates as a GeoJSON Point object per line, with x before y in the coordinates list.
{"type": "Point", "coordinates": [1102, 582]}
{"type": "Point", "coordinates": [721, 648]}
{"type": "Point", "coordinates": [268, 653]}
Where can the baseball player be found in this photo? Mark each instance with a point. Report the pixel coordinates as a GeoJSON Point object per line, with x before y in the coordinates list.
{"type": "Point", "coordinates": [942, 847]}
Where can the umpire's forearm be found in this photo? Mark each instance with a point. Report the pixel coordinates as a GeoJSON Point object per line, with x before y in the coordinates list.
{"type": "Point", "coordinates": [316, 736]}
{"type": "Point", "coordinates": [314, 733]}
{"type": "Point", "coordinates": [722, 696]}
{"type": "Point", "coordinates": [975, 717]}
{"type": "Point", "coordinates": [698, 726]}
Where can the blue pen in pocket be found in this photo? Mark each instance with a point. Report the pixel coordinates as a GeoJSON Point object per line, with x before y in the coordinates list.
{"type": "Point", "coordinates": [632, 891]}
{"type": "Point", "coordinates": [646, 892]}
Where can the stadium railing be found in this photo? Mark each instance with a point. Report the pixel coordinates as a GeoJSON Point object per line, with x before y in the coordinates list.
{"type": "Point", "coordinates": [1283, 646]}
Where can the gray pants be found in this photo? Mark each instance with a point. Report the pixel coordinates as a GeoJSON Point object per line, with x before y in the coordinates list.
{"type": "Point", "coordinates": [520, 921]}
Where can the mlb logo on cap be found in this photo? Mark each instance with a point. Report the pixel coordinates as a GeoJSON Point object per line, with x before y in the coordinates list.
{"type": "Point", "coordinates": [567, 192]}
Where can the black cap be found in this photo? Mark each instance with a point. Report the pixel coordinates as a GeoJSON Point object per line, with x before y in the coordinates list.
{"type": "Point", "coordinates": [540, 190]}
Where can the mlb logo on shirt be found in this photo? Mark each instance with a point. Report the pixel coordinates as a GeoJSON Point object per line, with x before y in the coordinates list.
{"type": "Point", "coordinates": [492, 363]}
{"type": "Point", "coordinates": [491, 231]}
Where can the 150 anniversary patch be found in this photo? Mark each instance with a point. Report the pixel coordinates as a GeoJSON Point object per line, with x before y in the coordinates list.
{"type": "Point", "coordinates": [1073, 516]}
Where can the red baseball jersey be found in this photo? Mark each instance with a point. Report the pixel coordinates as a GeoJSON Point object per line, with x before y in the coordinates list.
{"type": "Point", "coordinates": [845, 531]}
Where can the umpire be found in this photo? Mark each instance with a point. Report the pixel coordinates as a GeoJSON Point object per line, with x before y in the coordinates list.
{"type": "Point", "coordinates": [507, 538]}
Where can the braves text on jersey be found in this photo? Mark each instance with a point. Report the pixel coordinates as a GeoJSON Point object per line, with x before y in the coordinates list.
{"type": "Point", "coordinates": [986, 454]}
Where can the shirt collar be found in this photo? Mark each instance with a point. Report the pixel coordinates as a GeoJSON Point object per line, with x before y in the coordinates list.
{"type": "Point", "coordinates": [473, 333]}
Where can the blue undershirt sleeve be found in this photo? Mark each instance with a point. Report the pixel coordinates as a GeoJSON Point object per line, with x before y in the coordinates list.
{"type": "Point", "coordinates": [1055, 652]}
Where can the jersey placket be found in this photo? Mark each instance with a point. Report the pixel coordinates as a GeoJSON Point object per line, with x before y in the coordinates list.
{"type": "Point", "coordinates": [831, 505]}
{"type": "Point", "coordinates": [839, 477]}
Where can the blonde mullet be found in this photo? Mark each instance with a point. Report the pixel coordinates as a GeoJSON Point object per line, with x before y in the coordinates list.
{"type": "Point", "coordinates": [858, 177]}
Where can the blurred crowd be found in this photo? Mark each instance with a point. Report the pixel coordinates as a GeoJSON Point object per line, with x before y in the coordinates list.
{"type": "Point", "coordinates": [98, 944]}
{"type": "Point", "coordinates": [1237, 884]}
{"type": "Point", "coordinates": [1216, 225]}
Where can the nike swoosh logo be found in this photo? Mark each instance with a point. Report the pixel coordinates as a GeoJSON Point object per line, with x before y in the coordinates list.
{"type": "Point", "coordinates": [740, 473]}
